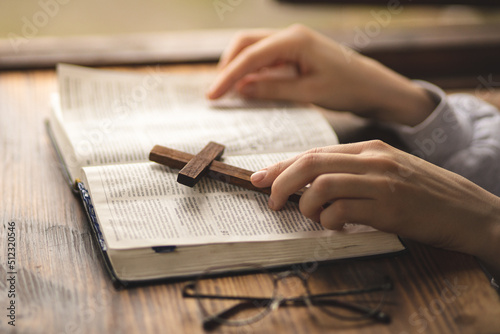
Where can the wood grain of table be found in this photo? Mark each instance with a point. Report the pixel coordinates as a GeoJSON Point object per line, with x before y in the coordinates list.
{"type": "Point", "coordinates": [61, 285]}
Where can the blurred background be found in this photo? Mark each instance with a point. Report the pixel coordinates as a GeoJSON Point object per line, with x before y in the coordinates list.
{"type": "Point", "coordinates": [420, 40]}
{"type": "Point", "coordinates": [96, 17]}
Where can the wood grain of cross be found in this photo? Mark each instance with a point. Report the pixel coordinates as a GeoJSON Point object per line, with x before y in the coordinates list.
{"type": "Point", "coordinates": [193, 167]}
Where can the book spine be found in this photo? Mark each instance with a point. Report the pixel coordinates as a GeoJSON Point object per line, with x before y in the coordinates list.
{"type": "Point", "coordinates": [91, 214]}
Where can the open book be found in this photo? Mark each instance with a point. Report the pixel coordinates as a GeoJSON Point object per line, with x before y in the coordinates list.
{"type": "Point", "coordinates": [104, 124]}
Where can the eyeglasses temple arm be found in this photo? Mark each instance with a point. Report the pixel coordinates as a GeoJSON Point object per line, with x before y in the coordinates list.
{"type": "Point", "coordinates": [374, 314]}
{"type": "Point", "coordinates": [213, 321]}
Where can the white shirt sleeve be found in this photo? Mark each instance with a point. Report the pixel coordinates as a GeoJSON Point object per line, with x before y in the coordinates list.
{"type": "Point", "coordinates": [462, 135]}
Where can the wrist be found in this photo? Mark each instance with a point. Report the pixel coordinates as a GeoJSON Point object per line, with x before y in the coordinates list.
{"type": "Point", "coordinates": [491, 252]}
{"type": "Point", "coordinates": [394, 98]}
{"type": "Point", "coordinates": [410, 105]}
{"type": "Point", "coordinates": [487, 246]}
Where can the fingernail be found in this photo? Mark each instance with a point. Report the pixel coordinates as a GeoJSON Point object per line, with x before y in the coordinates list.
{"type": "Point", "coordinates": [270, 203]}
{"type": "Point", "coordinates": [248, 89]}
{"type": "Point", "coordinates": [258, 176]}
{"type": "Point", "coordinates": [209, 93]}
{"type": "Point", "coordinates": [213, 88]}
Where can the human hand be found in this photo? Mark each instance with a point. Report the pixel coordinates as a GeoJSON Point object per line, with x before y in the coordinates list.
{"type": "Point", "coordinates": [325, 73]}
{"type": "Point", "coordinates": [372, 183]}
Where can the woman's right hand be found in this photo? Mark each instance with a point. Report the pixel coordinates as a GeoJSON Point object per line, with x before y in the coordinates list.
{"type": "Point", "coordinates": [374, 184]}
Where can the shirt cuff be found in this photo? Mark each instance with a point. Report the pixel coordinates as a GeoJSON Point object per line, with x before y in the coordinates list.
{"type": "Point", "coordinates": [441, 134]}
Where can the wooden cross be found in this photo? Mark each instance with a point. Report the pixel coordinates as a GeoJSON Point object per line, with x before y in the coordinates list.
{"type": "Point", "coordinates": [193, 167]}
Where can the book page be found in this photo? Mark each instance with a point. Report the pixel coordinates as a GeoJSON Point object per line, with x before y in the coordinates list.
{"type": "Point", "coordinates": [142, 205]}
{"type": "Point", "coordinates": [113, 117]}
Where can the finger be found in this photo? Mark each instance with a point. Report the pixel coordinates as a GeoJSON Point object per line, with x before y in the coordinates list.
{"type": "Point", "coordinates": [355, 211]}
{"type": "Point", "coordinates": [329, 188]}
{"type": "Point", "coordinates": [307, 168]}
{"type": "Point", "coordinates": [351, 148]}
{"type": "Point", "coordinates": [263, 53]}
{"type": "Point", "coordinates": [266, 176]}
{"type": "Point", "coordinates": [240, 42]}
{"type": "Point", "coordinates": [279, 71]}
{"type": "Point", "coordinates": [290, 89]}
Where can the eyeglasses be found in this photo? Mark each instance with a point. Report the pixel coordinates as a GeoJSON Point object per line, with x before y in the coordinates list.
{"type": "Point", "coordinates": [233, 301]}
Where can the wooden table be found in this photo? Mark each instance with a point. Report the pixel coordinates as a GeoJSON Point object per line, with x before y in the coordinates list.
{"type": "Point", "coordinates": [61, 286]}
